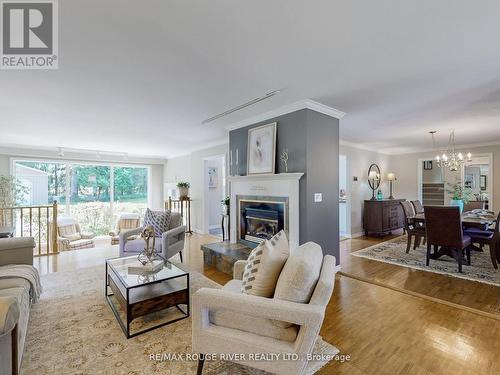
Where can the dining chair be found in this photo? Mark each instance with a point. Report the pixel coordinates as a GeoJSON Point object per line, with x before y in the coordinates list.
{"type": "Point", "coordinates": [487, 237]}
{"type": "Point", "coordinates": [417, 205]}
{"type": "Point", "coordinates": [412, 229]}
{"type": "Point", "coordinates": [473, 205]}
{"type": "Point", "coordinates": [443, 225]}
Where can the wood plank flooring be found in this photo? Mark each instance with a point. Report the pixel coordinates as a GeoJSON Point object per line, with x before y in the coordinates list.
{"type": "Point", "coordinates": [383, 330]}
{"type": "Point", "coordinates": [469, 294]}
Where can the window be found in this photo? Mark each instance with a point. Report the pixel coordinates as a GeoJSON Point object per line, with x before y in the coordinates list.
{"type": "Point", "coordinates": [94, 194]}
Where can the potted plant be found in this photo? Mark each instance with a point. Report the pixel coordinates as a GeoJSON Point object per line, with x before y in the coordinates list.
{"type": "Point", "coordinates": [225, 202]}
{"type": "Point", "coordinates": [183, 187]}
{"type": "Point", "coordinates": [459, 194]}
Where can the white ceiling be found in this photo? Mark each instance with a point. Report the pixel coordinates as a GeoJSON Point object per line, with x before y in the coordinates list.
{"type": "Point", "coordinates": [140, 76]}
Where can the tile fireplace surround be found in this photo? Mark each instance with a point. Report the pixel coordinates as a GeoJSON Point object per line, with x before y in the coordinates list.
{"type": "Point", "coordinates": [283, 185]}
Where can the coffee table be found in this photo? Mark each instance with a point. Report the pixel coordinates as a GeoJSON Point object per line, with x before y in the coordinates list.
{"type": "Point", "coordinates": [145, 293]}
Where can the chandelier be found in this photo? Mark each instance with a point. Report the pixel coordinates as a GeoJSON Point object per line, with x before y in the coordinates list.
{"type": "Point", "coordinates": [450, 158]}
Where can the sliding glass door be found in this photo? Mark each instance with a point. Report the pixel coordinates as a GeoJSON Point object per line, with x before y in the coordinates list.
{"type": "Point", "coordinates": [90, 202]}
{"type": "Point", "coordinates": [94, 194]}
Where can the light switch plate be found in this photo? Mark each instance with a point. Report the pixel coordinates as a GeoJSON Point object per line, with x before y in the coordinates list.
{"type": "Point", "coordinates": [318, 197]}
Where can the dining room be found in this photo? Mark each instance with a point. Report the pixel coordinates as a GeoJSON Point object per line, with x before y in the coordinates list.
{"type": "Point", "coordinates": [444, 245]}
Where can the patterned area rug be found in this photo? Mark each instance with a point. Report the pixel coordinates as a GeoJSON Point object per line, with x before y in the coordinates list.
{"type": "Point", "coordinates": [394, 252]}
{"type": "Point", "coordinates": [73, 331]}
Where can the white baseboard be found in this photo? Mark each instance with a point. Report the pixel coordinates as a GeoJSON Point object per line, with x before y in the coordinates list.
{"type": "Point", "coordinates": [354, 235]}
{"type": "Point", "coordinates": [337, 268]}
{"type": "Point", "coordinates": [216, 226]}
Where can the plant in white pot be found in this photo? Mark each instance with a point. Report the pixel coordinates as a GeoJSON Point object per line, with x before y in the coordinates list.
{"type": "Point", "coordinates": [459, 194]}
{"type": "Point", "coordinates": [183, 187]}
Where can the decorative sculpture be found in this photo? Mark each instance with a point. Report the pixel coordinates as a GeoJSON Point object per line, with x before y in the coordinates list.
{"type": "Point", "coordinates": [284, 158]}
{"type": "Point", "coordinates": [149, 253]}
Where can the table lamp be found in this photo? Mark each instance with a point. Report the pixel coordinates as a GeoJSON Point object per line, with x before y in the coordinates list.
{"type": "Point", "coordinates": [391, 177]}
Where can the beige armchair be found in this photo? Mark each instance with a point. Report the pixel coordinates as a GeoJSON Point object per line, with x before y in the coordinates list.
{"type": "Point", "coordinates": [70, 235]}
{"type": "Point", "coordinates": [228, 321]}
{"type": "Point", "coordinates": [125, 222]}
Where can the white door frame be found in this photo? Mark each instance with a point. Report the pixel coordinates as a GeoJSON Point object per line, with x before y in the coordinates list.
{"type": "Point", "coordinates": [204, 206]}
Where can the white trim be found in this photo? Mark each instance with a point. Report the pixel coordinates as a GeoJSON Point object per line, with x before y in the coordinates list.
{"type": "Point", "coordinates": [337, 268]}
{"type": "Point", "coordinates": [355, 235]}
{"type": "Point", "coordinates": [360, 147]}
{"type": "Point", "coordinates": [297, 106]}
{"type": "Point", "coordinates": [459, 147]}
{"type": "Point", "coordinates": [206, 146]}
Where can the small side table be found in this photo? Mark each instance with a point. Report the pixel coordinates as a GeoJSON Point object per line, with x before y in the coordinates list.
{"type": "Point", "coordinates": [224, 218]}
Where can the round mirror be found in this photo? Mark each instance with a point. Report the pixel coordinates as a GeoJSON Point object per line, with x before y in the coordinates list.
{"type": "Point", "coordinates": [374, 176]}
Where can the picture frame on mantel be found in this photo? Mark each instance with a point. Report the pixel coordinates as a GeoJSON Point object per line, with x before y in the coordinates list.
{"type": "Point", "coordinates": [261, 149]}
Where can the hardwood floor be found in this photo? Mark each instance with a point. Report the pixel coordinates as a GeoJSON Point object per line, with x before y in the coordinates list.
{"type": "Point", "coordinates": [383, 330]}
{"type": "Point", "coordinates": [475, 296]}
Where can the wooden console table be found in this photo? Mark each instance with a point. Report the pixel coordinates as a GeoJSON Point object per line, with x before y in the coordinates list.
{"type": "Point", "coordinates": [381, 217]}
{"type": "Point", "coordinates": [183, 206]}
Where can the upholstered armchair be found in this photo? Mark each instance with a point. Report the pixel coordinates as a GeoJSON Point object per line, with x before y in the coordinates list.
{"type": "Point", "coordinates": [126, 221]}
{"type": "Point", "coordinates": [229, 321]}
{"type": "Point", "coordinates": [170, 243]}
{"type": "Point", "coordinates": [70, 235]}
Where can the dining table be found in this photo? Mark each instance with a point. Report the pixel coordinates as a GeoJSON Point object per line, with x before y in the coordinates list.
{"type": "Point", "coordinates": [470, 219]}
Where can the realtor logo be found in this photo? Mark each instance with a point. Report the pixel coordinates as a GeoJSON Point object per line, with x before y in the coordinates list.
{"type": "Point", "coordinates": [29, 34]}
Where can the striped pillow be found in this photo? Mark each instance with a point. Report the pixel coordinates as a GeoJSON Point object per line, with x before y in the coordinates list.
{"type": "Point", "coordinates": [264, 266]}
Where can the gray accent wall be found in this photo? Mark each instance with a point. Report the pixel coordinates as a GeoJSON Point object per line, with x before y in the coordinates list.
{"type": "Point", "coordinates": [312, 140]}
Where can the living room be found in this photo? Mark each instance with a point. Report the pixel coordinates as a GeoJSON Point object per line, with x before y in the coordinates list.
{"type": "Point", "coordinates": [249, 188]}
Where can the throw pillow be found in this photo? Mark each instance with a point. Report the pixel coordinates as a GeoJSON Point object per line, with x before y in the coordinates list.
{"type": "Point", "coordinates": [264, 265]}
{"type": "Point", "coordinates": [159, 220]}
{"type": "Point", "coordinates": [300, 274]}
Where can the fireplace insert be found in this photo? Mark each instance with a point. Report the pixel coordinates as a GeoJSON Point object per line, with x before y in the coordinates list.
{"type": "Point", "coordinates": [260, 220]}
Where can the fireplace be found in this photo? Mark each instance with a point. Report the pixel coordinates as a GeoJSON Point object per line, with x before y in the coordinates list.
{"type": "Point", "coordinates": [260, 218]}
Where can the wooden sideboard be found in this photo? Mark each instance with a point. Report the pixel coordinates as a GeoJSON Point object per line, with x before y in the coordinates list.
{"type": "Point", "coordinates": [381, 217]}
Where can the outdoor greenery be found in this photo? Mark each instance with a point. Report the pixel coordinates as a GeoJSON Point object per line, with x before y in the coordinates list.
{"type": "Point", "coordinates": [89, 191]}
{"type": "Point", "coordinates": [11, 191]}
{"type": "Point", "coordinates": [458, 192]}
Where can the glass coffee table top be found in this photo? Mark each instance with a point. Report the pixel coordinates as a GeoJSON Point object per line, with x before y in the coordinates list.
{"type": "Point", "coordinates": [131, 280]}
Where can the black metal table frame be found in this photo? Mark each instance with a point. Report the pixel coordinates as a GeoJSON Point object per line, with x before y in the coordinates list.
{"type": "Point", "coordinates": [126, 327]}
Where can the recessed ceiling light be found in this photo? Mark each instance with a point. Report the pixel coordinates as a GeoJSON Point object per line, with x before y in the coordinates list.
{"type": "Point", "coordinates": [241, 106]}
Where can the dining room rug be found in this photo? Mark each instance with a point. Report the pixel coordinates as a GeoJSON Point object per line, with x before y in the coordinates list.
{"type": "Point", "coordinates": [394, 252]}
{"type": "Point", "coordinates": [72, 330]}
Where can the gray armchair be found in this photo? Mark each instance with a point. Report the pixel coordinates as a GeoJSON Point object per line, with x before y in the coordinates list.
{"type": "Point", "coordinates": [170, 243]}
{"type": "Point", "coordinates": [228, 321]}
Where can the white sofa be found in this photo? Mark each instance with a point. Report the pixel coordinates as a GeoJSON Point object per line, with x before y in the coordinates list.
{"type": "Point", "coordinates": [15, 303]}
{"type": "Point", "coordinates": [228, 321]}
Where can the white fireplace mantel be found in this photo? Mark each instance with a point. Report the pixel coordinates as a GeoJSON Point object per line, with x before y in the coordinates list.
{"type": "Point", "coordinates": [276, 185]}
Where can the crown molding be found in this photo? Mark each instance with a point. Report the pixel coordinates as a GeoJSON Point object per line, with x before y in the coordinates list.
{"type": "Point", "coordinates": [289, 108]}
{"type": "Point", "coordinates": [218, 142]}
{"type": "Point", "coordinates": [360, 147]}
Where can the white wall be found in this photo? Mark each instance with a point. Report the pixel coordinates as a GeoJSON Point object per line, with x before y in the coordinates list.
{"type": "Point", "coordinates": [358, 162]}
{"type": "Point", "coordinates": [191, 168]}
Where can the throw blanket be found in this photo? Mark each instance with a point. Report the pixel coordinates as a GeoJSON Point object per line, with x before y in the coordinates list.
{"type": "Point", "coordinates": [27, 272]}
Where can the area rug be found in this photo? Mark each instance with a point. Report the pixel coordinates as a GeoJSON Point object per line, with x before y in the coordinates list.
{"type": "Point", "coordinates": [394, 252]}
{"type": "Point", "coordinates": [73, 331]}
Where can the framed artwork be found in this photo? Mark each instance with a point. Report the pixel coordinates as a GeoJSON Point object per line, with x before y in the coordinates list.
{"type": "Point", "coordinates": [482, 182]}
{"type": "Point", "coordinates": [213, 176]}
{"type": "Point", "coordinates": [428, 165]}
{"type": "Point", "coordinates": [470, 181]}
{"type": "Point", "coordinates": [261, 152]}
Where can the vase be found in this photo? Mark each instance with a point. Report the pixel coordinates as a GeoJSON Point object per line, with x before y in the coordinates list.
{"type": "Point", "coordinates": [183, 193]}
{"type": "Point", "coordinates": [459, 203]}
